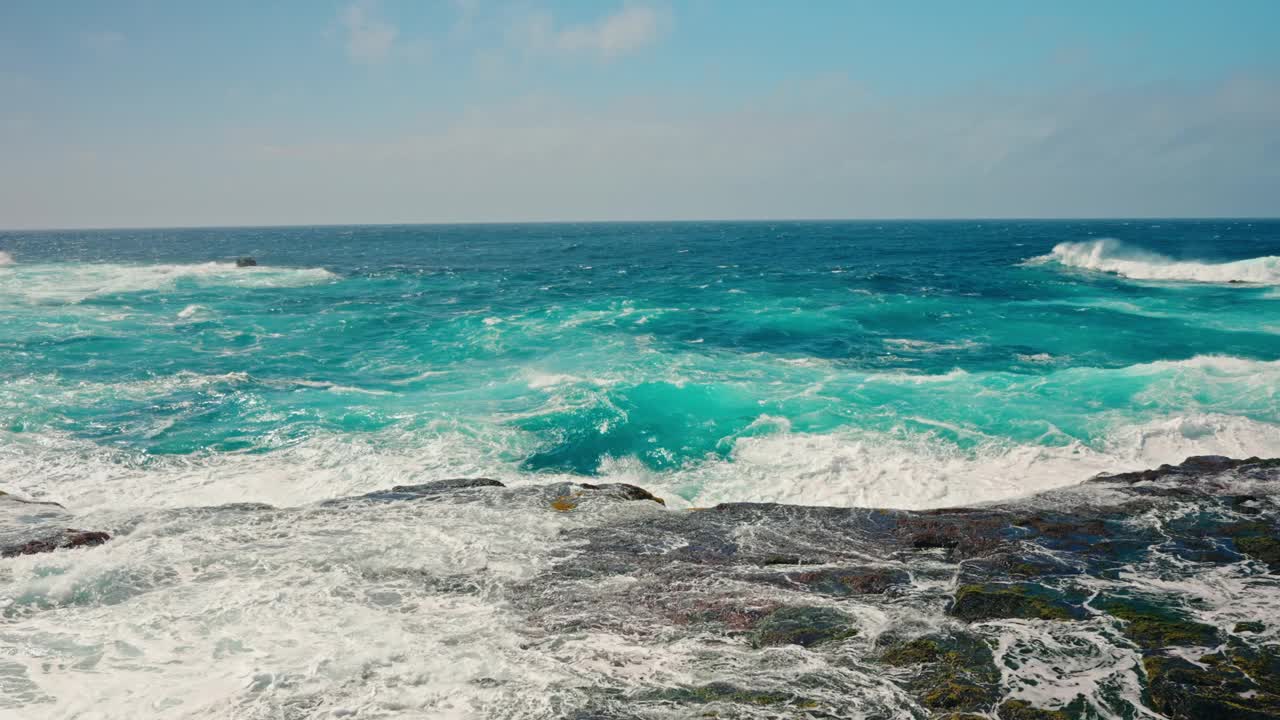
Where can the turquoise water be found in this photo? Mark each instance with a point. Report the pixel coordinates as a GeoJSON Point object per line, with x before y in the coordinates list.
{"type": "Point", "coordinates": [892, 363]}
{"type": "Point", "coordinates": [161, 394]}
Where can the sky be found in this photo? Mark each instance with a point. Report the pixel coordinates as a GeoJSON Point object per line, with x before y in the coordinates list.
{"type": "Point", "coordinates": [141, 113]}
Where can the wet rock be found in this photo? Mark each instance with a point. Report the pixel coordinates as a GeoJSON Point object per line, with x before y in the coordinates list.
{"type": "Point", "coordinates": [804, 626]}
{"type": "Point", "coordinates": [962, 533]}
{"type": "Point", "coordinates": [1261, 547]}
{"type": "Point", "coordinates": [246, 262]}
{"type": "Point", "coordinates": [751, 572]}
{"type": "Point", "coordinates": [1260, 663]}
{"type": "Point", "coordinates": [975, 603]}
{"type": "Point", "coordinates": [68, 538]}
{"type": "Point", "coordinates": [6, 497]}
{"type": "Point", "coordinates": [623, 491]}
{"type": "Point", "coordinates": [424, 490]}
{"type": "Point", "coordinates": [1025, 563]}
{"type": "Point", "coordinates": [952, 673]}
{"type": "Point", "coordinates": [952, 695]}
{"type": "Point", "coordinates": [1023, 710]}
{"type": "Point", "coordinates": [1151, 626]}
{"type": "Point", "coordinates": [840, 582]}
{"type": "Point", "coordinates": [721, 692]}
{"type": "Point", "coordinates": [729, 615]}
{"type": "Point", "coordinates": [1216, 689]}
{"type": "Point", "coordinates": [1195, 465]}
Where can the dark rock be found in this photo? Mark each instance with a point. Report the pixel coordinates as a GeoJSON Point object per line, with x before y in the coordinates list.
{"type": "Point", "coordinates": [1023, 710]}
{"type": "Point", "coordinates": [1026, 563]}
{"type": "Point", "coordinates": [804, 626]}
{"type": "Point", "coordinates": [1259, 547]}
{"type": "Point", "coordinates": [974, 603]}
{"type": "Point", "coordinates": [1192, 466]}
{"type": "Point", "coordinates": [623, 491]}
{"type": "Point", "coordinates": [1154, 627]}
{"type": "Point", "coordinates": [428, 490]}
{"type": "Point", "coordinates": [1261, 664]}
{"type": "Point", "coordinates": [963, 533]}
{"type": "Point", "coordinates": [721, 692]}
{"type": "Point", "coordinates": [720, 575]}
{"type": "Point", "coordinates": [952, 695]}
{"type": "Point", "coordinates": [24, 501]}
{"type": "Point", "coordinates": [246, 262]}
{"type": "Point", "coordinates": [1185, 691]}
{"type": "Point", "coordinates": [955, 673]}
{"type": "Point", "coordinates": [68, 538]}
{"type": "Point", "coordinates": [840, 582]}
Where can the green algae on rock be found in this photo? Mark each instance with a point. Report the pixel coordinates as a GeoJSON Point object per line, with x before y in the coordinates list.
{"type": "Point", "coordinates": [1023, 710]}
{"type": "Point", "coordinates": [1152, 626]}
{"type": "Point", "coordinates": [804, 626]}
{"type": "Point", "coordinates": [952, 672]}
{"type": "Point", "coordinates": [975, 603]}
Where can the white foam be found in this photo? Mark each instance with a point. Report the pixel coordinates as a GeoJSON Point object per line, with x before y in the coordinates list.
{"type": "Point", "coordinates": [927, 346]}
{"type": "Point", "coordinates": [1112, 256]}
{"type": "Point", "coordinates": [916, 465]}
{"type": "Point", "coordinates": [76, 282]}
{"type": "Point", "coordinates": [90, 478]}
{"type": "Point", "coordinates": [5, 259]}
{"type": "Point", "coordinates": [233, 615]}
{"type": "Point", "coordinates": [925, 470]}
{"type": "Point", "coordinates": [538, 380]}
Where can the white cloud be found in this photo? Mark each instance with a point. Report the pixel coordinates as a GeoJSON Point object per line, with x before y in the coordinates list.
{"type": "Point", "coordinates": [369, 39]}
{"type": "Point", "coordinates": [625, 31]}
{"type": "Point", "coordinates": [629, 29]}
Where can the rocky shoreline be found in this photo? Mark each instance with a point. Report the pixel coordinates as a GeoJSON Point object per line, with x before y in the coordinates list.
{"type": "Point", "coordinates": [955, 613]}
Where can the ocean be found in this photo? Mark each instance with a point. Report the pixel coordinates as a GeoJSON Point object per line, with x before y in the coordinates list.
{"type": "Point", "coordinates": [148, 384]}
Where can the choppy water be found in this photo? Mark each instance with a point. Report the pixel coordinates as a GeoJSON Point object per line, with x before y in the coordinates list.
{"type": "Point", "coordinates": [909, 365]}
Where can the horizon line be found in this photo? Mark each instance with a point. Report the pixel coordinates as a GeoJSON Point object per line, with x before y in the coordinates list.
{"type": "Point", "coordinates": [1114, 218]}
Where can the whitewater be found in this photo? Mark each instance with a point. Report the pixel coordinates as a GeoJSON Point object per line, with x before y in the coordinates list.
{"type": "Point", "coordinates": [213, 419]}
{"type": "Point", "coordinates": [1113, 256]}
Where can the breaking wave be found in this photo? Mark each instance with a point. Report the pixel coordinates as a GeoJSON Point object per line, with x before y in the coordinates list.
{"type": "Point", "coordinates": [1112, 256]}
{"type": "Point", "coordinates": [75, 282]}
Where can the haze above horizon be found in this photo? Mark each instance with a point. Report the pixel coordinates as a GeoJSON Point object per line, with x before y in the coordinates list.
{"type": "Point", "coordinates": [138, 114]}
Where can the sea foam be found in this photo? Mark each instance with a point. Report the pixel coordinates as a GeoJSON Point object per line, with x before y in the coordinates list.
{"type": "Point", "coordinates": [71, 283]}
{"type": "Point", "coordinates": [1113, 256]}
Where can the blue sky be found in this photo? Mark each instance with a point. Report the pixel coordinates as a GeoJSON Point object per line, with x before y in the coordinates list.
{"type": "Point", "coordinates": [142, 112]}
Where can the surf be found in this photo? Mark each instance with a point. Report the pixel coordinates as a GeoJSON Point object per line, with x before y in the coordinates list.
{"type": "Point", "coordinates": [72, 283]}
{"type": "Point", "coordinates": [1109, 255]}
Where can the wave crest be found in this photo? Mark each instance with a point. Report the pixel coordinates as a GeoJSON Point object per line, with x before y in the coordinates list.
{"type": "Point", "coordinates": [1112, 256]}
{"type": "Point", "coordinates": [76, 282]}
{"type": "Point", "coordinates": [5, 259]}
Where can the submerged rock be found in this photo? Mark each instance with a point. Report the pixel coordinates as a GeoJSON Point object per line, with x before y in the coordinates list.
{"type": "Point", "coordinates": [1151, 626]}
{"type": "Point", "coordinates": [1217, 687]}
{"type": "Point", "coordinates": [246, 262]}
{"type": "Point", "coordinates": [804, 626]}
{"type": "Point", "coordinates": [841, 581]}
{"type": "Point", "coordinates": [68, 538]}
{"type": "Point", "coordinates": [1023, 710]}
{"type": "Point", "coordinates": [975, 603]}
{"type": "Point", "coordinates": [947, 672]}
